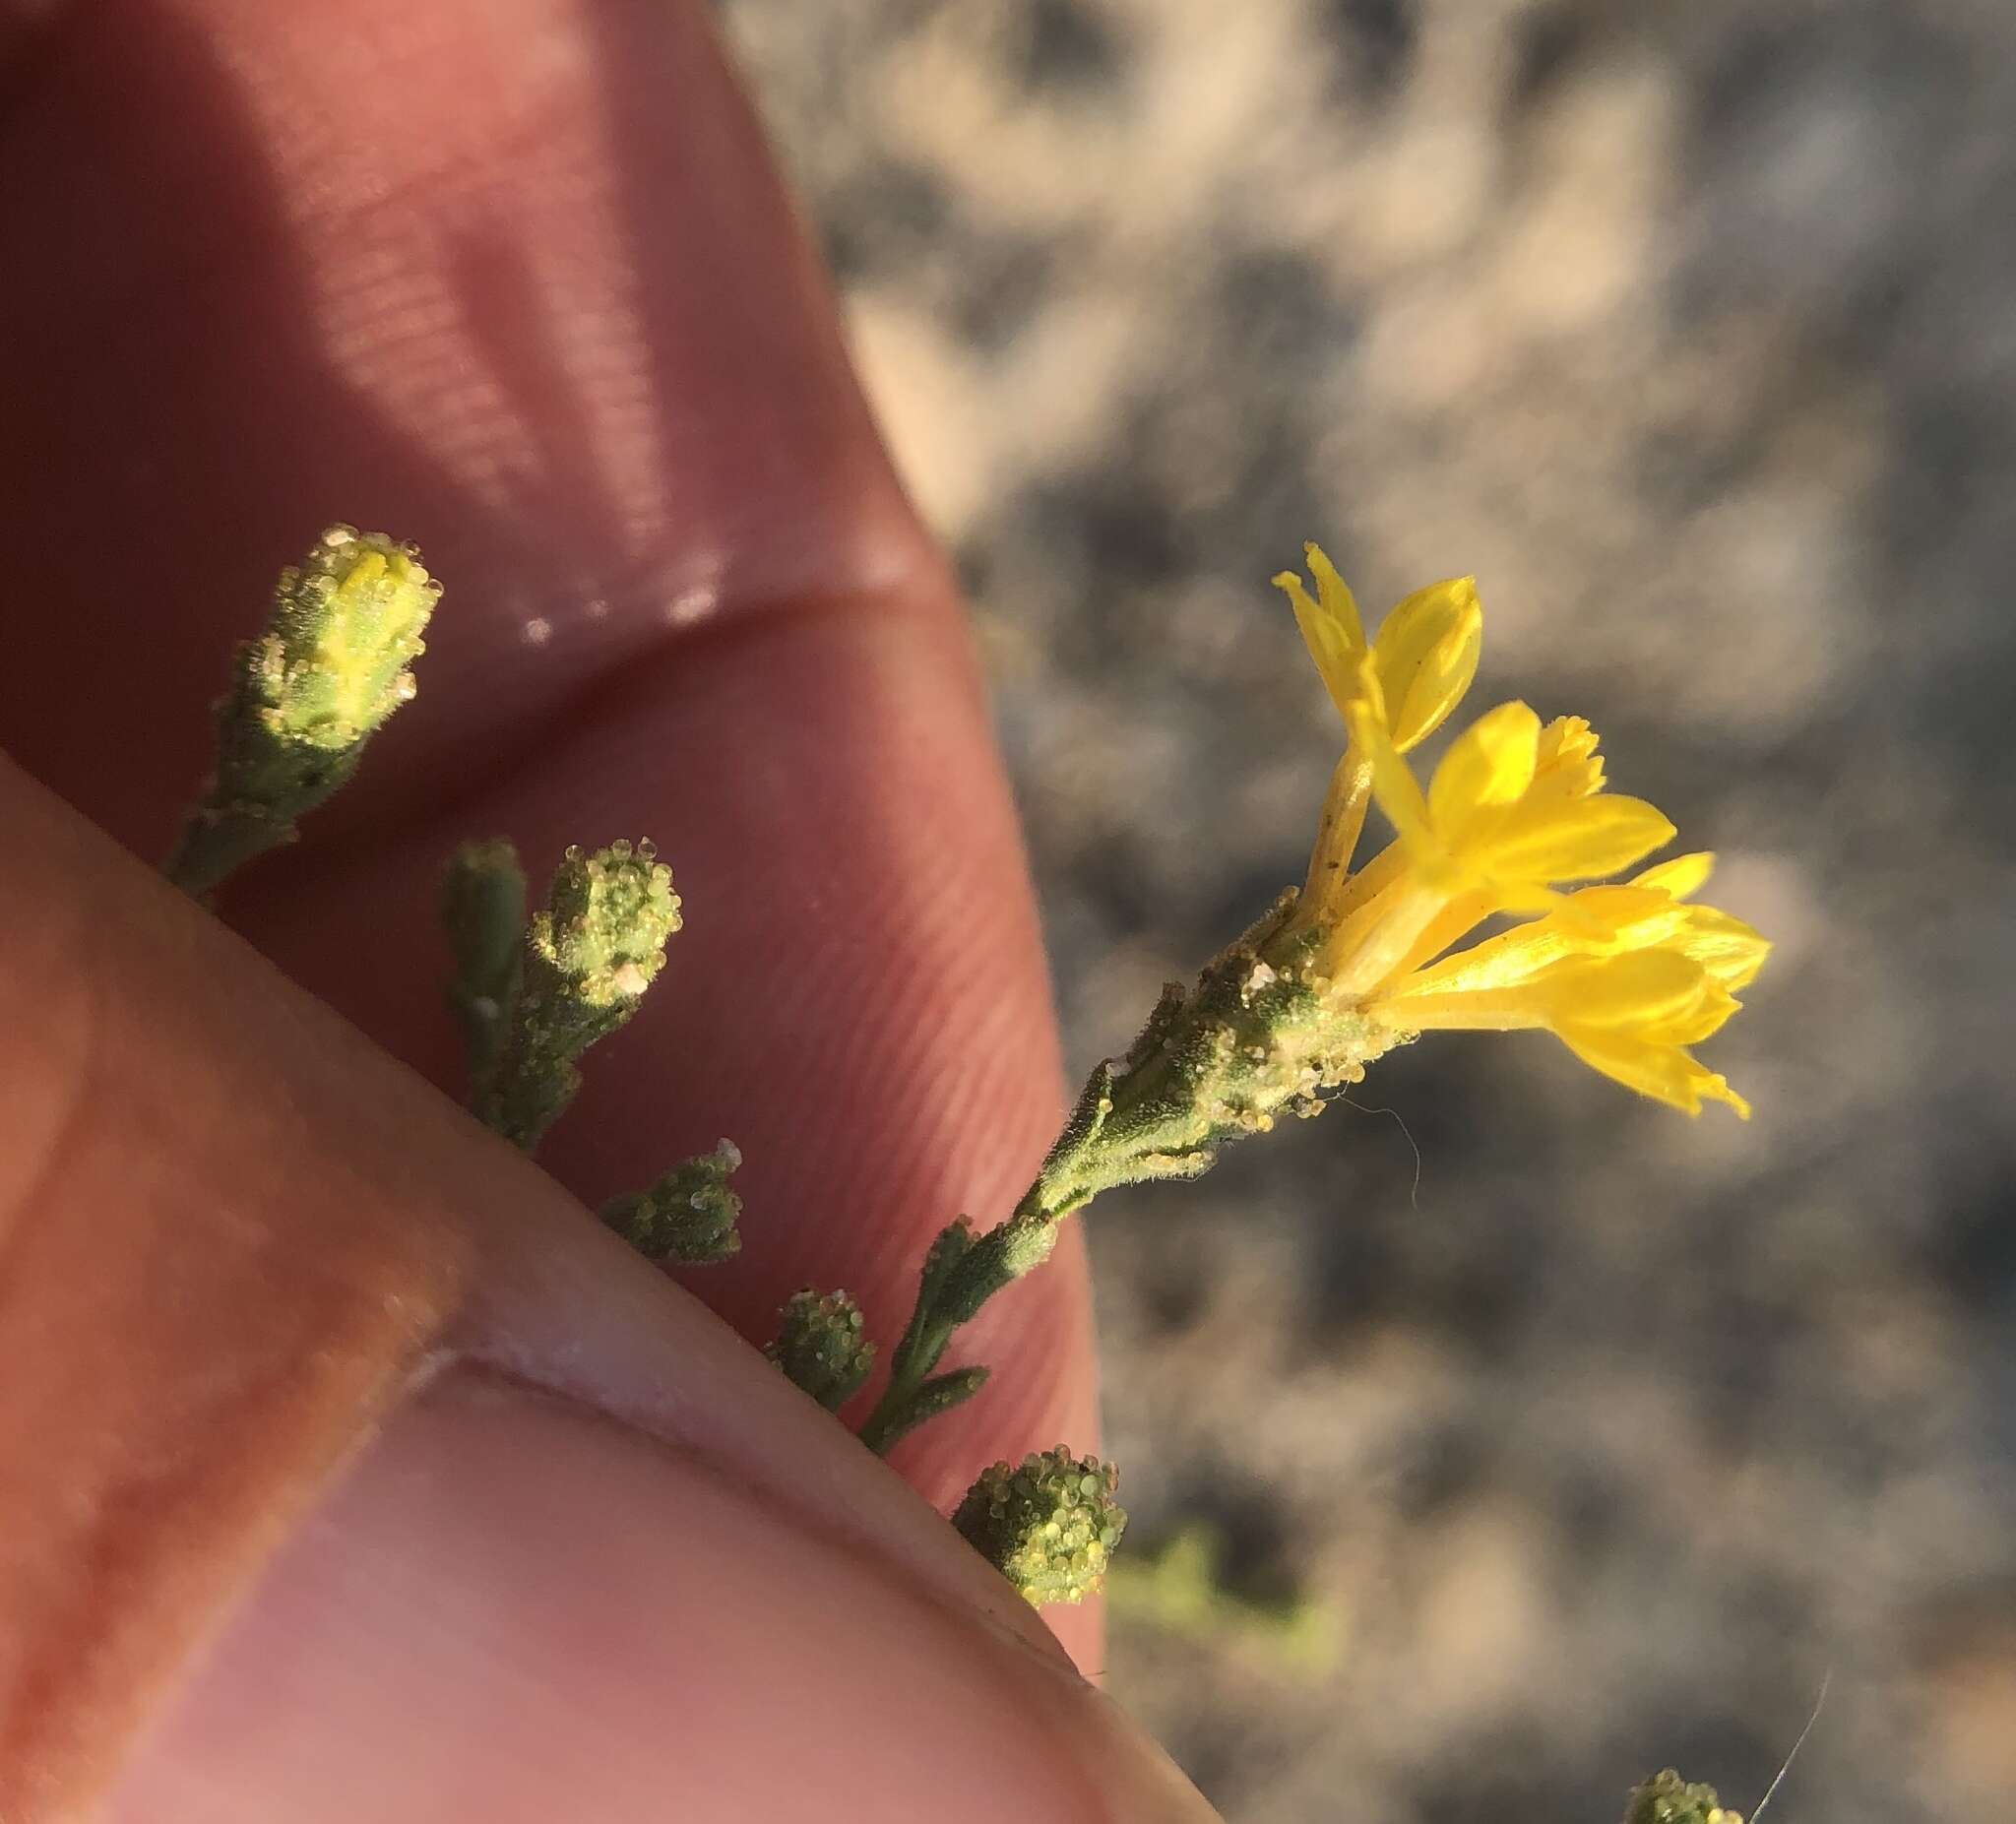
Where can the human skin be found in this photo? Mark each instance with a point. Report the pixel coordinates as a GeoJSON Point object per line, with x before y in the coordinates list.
{"type": "Point", "coordinates": [349, 1469]}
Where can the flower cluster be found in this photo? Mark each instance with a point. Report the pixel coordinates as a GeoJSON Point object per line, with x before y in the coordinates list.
{"type": "Point", "coordinates": [1626, 976]}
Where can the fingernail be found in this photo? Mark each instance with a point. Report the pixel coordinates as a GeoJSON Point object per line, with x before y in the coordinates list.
{"type": "Point", "coordinates": [515, 1609]}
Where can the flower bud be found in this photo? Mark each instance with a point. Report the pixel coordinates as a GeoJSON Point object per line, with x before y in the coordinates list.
{"type": "Point", "coordinates": [1666, 1799]}
{"type": "Point", "coordinates": [330, 669]}
{"type": "Point", "coordinates": [588, 960]}
{"type": "Point", "coordinates": [688, 1217]}
{"type": "Point", "coordinates": [1049, 1527]}
{"type": "Point", "coordinates": [346, 624]}
{"type": "Point", "coordinates": [821, 1347]}
{"type": "Point", "coordinates": [608, 919]}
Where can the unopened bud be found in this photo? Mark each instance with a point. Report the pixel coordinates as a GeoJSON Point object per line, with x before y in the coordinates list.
{"type": "Point", "coordinates": [608, 919]}
{"type": "Point", "coordinates": [1049, 1527]}
{"type": "Point", "coordinates": [688, 1217]}
{"type": "Point", "coordinates": [1666, 1799]}
{"type": "Point", "coordinates": [346, 625]}
{"type": "Point", "coordinates": [589, 958]}
{"type": "Point", "coordinates": [821, 1346]}
{"type": "Point", "coordinates": [330, 669]}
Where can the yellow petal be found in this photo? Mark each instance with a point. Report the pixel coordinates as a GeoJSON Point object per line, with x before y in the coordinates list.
{"type": "Point", "coordinates": [1682, 877]}
{"type": "Point", "coordinates": [1664, 1072]}
{"type": "Point", "coordinates": [1567, 740]}
{"type": "Point", "coordinates": [1624, 917]}
{"type": "Point", "coordinates": [1607, 918]}
{"type": "Point", "coordinates": [1394, 786]}
{"type": "Point", "coordinates": [1713, 1088]}
{"type": "Point", "coordinates": [1427, 652]}
{"type": "Point", "coordinates": [1531, 896]}
{"type": "Point", "coordinates": [1642, 990]}
{"type": "Point", "coordinates": [1654, 994]}
{"type": "Point", "coordinates": [1579, 840]}
{"type": "Point", "coordinates": [1331, 590]}
{"type": "Point", "coordinates": [1489, 765]}
{"type": "Point", "coordinates": [1715, 1008]}
{"type": "Point", "coordinates": [1456, 919]}
{"type": "Point", "coordinates": [1567, 765]}
{"type": "Point", "coordinates": [1594, 922]}
{"type": "Point", "coordinates": [1330, 625]}
{"type": "Point", "coordinates": [1724, 946]}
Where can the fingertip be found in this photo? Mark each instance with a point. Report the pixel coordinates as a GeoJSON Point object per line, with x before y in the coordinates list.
{"type": "Point", "coordinates": [515, 1609]}
{"type": "Point", "coordinates": [514, 278]}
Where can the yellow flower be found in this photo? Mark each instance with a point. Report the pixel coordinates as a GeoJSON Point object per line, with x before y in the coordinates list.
{"type": "Point", "coordinates": [1627, 987]}
{"type": "Point", "coordinates": [1626, 976]}
{"type": "Point", "coordinates": [1420, 663]}
{"type": "Point", "coordinates": [1424, 659]}
{"type": "Point", "coordinates": [1650, 913]}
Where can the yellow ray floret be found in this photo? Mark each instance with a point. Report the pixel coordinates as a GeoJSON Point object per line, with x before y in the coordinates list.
{"type": "Point", "coordinates": [1423, 657]}
{"type": "Point", "coordinates": [1628, 976]}
{"type": "Point", "coordinates": [1650, 913]}
{"type": "Point", "coordinates": [1420, 663]}
{"type": "Point", "coordinates": [1630, 1015]}
{"type": "Point", "coordinates": [1509, 812]}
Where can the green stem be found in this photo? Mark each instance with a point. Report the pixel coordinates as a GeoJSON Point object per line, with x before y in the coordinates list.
{"type": "Point", "coordinates": [961, 1276]}
{"type": "Point", "coordinates": [1211, 1064]}
{"type": "Point", "coordinates": [483, 914]}
{"type": "Point", "coordinates": [922, 1342]}
{"type": "Point", "coordinates": [215, 844]}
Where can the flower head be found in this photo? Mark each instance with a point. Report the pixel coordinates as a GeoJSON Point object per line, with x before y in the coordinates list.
{"type": "Point", "coordinates": [1050, 1526]}
{"type": "Point", "coordinates": [607, 917]}
{"type": "Point", "coordinates": [688, 1215]}
{"type": "Point", "coordinates": [822, 1346]}
{"type": "Point", "coordinates": [333, 666]}
{"type": "Point", "coordinates": [1666, 1799]}
{"type": "Point", "coordinates": [346, 627]}
{"type": "Point", "coordinates": [1626, 976]}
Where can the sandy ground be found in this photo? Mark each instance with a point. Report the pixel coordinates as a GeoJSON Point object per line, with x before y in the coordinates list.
{"type": "Point", "coordinates": [1691, 332]}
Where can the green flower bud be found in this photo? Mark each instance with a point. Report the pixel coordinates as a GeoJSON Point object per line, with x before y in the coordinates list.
{"type": "Point", "coordinates": [821, 1347]}
{"type": "Point", "coordinates": [345, 626]}
{"type": "Point", "coordinates": [332, 666]}
{"type": "Point", "coordinates": [588, 960]}
{"type": "Point", "coordinates": [688, 1217]}
{"type": "Point", "coordinates": [1666, 1799]}
{"type": "Point", "coordinates": [1049, 1527]}
{"type": "Point", "coordinates": [608, 919]}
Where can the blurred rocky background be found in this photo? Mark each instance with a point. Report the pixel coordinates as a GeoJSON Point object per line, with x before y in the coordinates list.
{"type": "Point", "coordinates": [1589, 1436]}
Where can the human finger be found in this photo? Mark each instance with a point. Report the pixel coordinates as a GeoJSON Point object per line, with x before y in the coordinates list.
{"type": "Point", "coordinates": [461, 1498]}
{"type": "Point", "coordinates": [517, 276]}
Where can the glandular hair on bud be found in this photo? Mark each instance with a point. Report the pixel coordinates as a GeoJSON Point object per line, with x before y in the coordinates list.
{"type": "Point", "coordinates": [822, 1346]}
{"type": "Point", "coordinates": [607, 920]}
{"type": "Point", "coordinates": [1050, 1526]}
{"type": "Point", "coordinates": [1666, 1799]}
{"type": "Point", "coordinates": [688, 1217]}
